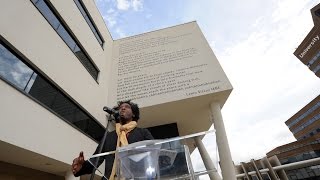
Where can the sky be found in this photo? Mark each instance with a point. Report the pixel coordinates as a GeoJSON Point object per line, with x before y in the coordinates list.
{"type": "Point", "coordinates": [254, 42]}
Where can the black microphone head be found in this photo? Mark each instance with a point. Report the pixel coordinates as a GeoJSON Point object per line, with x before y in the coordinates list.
{"type": "Point", "coordinates": [110, 110]}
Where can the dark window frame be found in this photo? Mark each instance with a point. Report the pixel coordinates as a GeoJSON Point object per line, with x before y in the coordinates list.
{"type": "Point", "coordinates": [97, 34]}
{"type": "Point", "coordinates": [71, 34]}
{"type": "Point", "coordinates": [40, 73]}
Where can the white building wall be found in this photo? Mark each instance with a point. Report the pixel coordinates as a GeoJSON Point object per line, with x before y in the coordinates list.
{"type": "Point", "coordinates": [28, 125]}
{"type": "Point", "coordinates": [28, 31]}
{"type": "Point", "coordinates": [25, 123]}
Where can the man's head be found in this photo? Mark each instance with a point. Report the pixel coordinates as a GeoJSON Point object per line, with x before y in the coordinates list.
{"type": "Point", "coordinates": [128, 111]}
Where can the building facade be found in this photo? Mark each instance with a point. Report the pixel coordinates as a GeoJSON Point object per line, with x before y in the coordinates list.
{"type": "Point", "coordinates": [306, 122]}
{"type": "Point", "coordinates": [51, 53]}
{"type": "Point", "coordinates": [308, 52]}
{"type": "Point", "coordinates": [300, 150]}
{"type": "Point", "coordinates": [305, 126]}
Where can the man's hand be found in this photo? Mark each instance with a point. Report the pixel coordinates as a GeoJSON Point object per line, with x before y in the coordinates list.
{"type": "Point", "coordinates": [77, 163]}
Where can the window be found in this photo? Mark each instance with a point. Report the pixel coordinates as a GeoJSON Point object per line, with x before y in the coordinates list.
{"type": "Point", "coordinates": [317, 12]}
{"type": "Point", "coordinates": [57, 24]}
{"type": "Point", "coordinates": [89, 20]}
{"type": "Point", "coordinates": [265, 176]}
{"type": "Point", "coordinates": [316, 69]}
{"type": "Point", "coordinates": [310, 121]}
{"type": "Point", "coordinates": [309, 111]}
{"type": "Point", "coordinates": [23, 77]}
{"type": "Point", "coordinates": [254, 177]}
{"type": "Point", "coordinates": [311, 134]}
{"type": "Point", "coordinates": [316, 57]}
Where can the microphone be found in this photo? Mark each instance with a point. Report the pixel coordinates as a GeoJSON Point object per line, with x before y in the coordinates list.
{"type": "Point", "coordinates": [111, 111]}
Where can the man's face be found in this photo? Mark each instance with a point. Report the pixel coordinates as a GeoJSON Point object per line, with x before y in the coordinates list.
{"type": "Point", "coordinates": [125, 113]}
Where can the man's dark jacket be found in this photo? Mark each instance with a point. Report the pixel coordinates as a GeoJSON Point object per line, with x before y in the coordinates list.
{"type": "Point", "coordinates": [137, 134]}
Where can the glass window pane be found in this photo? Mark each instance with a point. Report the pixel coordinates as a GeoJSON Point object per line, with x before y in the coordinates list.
{"type": "Point", "coordinates": [82, 124]}
{"type": "Point", "coordinates": [94, 30]}
{"type": "Point", "coordinates": [83, 12]}
{"type": "Point", "coordinates": [66, 37]}
{"type": "Point", "coordinates": [99, 39]}
{"type": "Point", "coordinates": [43, 91]}
{"type": "Point", "coordinates": [48, 14]}
{"type": "Point", "coordinates": [317, 172]}
{"type": "Point", "coordinates": [12, 69]}
{"type": "Point", "coordinates": [30, 83]}
{"type": "Point", "coordinates": [89, 23]}
{"type": "Point", "coordinates": [76, 49]}
{"type": "Point", "coordinates": [88, 20]}
{"type": "Point", "coordinates": [254, 177]}
{"type": "Point", "coordinates": [86, 62]}
{"type": "Point", "coordinates": [95, 130]}
{"type": "Point", "coordinates": [64, 107]}
{"type": "Point", "coordinates": [79, 115]}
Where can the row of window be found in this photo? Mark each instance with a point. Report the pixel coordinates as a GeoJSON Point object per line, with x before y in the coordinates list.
{"type": "Point", "coordinates": [89, 20]}
{"type": "Point", "coordinates": [313, 59]}
{"type": "Point", "coordinates": [26, 79]}
{"type": "Point", "coordinates": [303, 173]}
{"type": "Point", "coordinates": [309, 134]}
{"type": "Point", "coordinates": [315, 131]}
{"type": "Point", "coordinates": [301, 157]}
{"type": "Point", "coordinates": [316, 69]}
{"type": "Point", "coordinates": [265, 176]}
{"type": "Point", "coordinates": [299, 145]}
{"type": "Point", "coordinates": [50, 14]}
{"type": "Point", "coordinates": [309, 111]}
{"type": "Point", "coordinates": [310, 121]}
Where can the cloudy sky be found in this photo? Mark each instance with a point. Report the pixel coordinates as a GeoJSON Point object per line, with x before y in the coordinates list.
{"type": "Point", "coordinates": [254, 41]}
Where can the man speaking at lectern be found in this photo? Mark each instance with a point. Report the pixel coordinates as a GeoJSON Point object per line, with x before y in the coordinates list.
{"type": "Point", "coordinates": [126, 133]}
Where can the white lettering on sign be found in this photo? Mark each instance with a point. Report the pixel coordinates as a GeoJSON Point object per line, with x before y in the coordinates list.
{"type": "Point", "coordinates": [314, 40]}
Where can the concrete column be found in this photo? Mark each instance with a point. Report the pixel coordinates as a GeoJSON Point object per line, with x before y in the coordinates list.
{"type": "Point", "coordinates": [207, 160]}
{"type": "Point", "coordinates": [69, 176]}
{"type": "Point", "coordinates": [238, 170]}
{"type": "Point", "coordinates": [245, 171]}
{"type": "Point", "coordinates": [281, 173]}
{"type": "Point", "coordinates": [226, 163]}
{"type": "Point", "coordinates": [256, 169]}
{"type": "Point", "coordinates": [272, 173]}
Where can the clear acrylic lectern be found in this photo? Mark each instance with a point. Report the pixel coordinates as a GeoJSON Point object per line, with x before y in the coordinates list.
{"type": "Point", "coordinates": [155, 159]}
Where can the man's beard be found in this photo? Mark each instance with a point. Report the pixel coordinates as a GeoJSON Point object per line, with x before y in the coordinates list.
{"type": "Point", "coordinates": [124, 120]}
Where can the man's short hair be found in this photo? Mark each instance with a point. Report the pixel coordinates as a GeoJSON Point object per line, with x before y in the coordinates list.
{"type": "Point", "coordinates": [134, 108]}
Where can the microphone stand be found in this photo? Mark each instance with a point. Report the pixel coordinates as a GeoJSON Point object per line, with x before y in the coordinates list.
{"type": "Point", "coordinates": [101, 147]}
